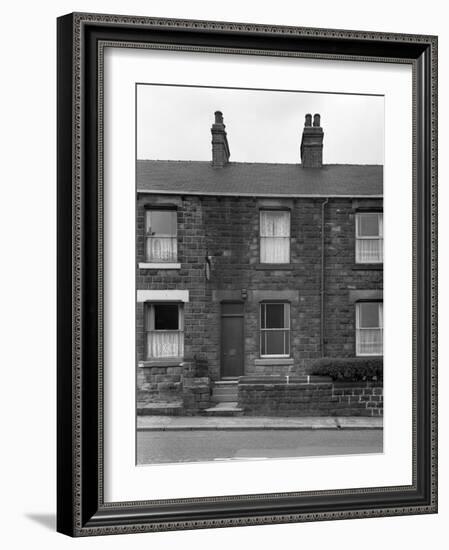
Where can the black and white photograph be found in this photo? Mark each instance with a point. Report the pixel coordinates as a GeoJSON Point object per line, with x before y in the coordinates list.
{"type": "Point", "coordinates": [259, 273]}
{"type": "Point", "coordinates": [234, 275]}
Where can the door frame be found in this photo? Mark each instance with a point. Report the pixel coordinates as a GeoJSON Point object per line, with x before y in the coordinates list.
{"type": "Point", "coordinates": [242, 314]}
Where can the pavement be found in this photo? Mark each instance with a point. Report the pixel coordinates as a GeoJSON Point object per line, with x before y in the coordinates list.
{"type": "Point", "coordinates": [185, 423]}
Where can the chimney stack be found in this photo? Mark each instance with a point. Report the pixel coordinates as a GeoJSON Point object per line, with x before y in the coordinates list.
{"type": "Point", "coordinates": [312, 142]}
{"type": "Point", "coordinates": [220, 147]}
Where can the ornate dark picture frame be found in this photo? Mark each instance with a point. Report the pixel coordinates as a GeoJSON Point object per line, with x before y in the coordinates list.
{"type": "Point", "coordinates": [81, 510]}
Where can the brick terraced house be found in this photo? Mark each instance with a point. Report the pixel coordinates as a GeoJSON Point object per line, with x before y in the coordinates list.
{"type": "Point", "coordinates": [247, 273]}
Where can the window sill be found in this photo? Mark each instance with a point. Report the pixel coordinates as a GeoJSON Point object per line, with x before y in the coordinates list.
{"type": "Point", "coordinates": [368, 267]}
{"type": "Point", "coordinates": [274, 267]}
{"type": "Point", "coordinates": [274, 361]}
{"type": "Point", "coordinates": [147, 265]}
{"type": "Point", "coordinates": [169, 362]}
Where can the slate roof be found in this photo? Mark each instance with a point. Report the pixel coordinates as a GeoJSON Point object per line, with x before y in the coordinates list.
{"type": "Point", "coordinates": [258, 179]}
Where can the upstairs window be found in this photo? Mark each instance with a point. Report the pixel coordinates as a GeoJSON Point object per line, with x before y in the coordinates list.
{"type": "Point", "coordinates": [275, 330]}
{"type": "Point", "coordinates": [274, 236]}
{"type": "Point", "coordinates": [369, 238]}
{"type": "Point", "coordinates": [164, 330]}
{"type": "Point", "coordinates": [369, 328]}
{"type": "Point", "coordinates": [161, 236]}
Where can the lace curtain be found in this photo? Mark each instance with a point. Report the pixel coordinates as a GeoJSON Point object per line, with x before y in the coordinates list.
{"type": "Point", "coordinates": [369, 251]}
{"type": "Point", "coordinates": [165, 344]}
{"type": "Point", "coordinates": [161, 231]}
{"type": "Point", "coordinates": [369, 244]}
{"type": "Point", "coordinates": [369, 339]}
{"type": "Point", "coordinates": [162, 249]}
{"type": "Point", "coordinates": [274, 237]}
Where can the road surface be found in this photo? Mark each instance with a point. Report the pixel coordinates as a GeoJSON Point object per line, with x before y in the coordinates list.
{"type": "Point", "coordinates": [209, 445]}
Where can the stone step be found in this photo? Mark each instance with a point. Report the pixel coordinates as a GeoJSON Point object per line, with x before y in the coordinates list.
{"type": "Point", "coordinates": [224, 398]}
{"type": "Point", "coordinates": [225, 391]}
{"type": "Point", "coordinates": [224, 409]}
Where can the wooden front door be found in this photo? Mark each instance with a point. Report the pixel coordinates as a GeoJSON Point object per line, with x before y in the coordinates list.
{"type": "Point", "coordinates": [231, 340]}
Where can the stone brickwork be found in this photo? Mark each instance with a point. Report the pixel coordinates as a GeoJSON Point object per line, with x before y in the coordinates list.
{"type": "Point", "coordinates": [186, 384]}
{"type": "Point", "coordinates": [196, 393]}
{"type": "Point", "coordinates": [161, 383]}
{"type": "Point", "coordinates": [196, 386]}
{"type": "Point", "coordinates": [300, 396]}
{"type": "Point", "coordinates": [218, 253]}
{"type": "Point", "coordinates": [344, 279]}
{"type": "Point", "coordinates": [366, 397]}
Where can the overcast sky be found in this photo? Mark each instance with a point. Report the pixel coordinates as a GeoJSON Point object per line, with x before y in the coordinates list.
{"type": "Point", "coordinates": [173, 123]}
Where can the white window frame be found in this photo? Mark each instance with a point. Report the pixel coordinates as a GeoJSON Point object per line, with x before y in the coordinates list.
{"type": "Point", "coordinates": [284, 211]}
{"type": "Point", "coordinates": [379, 237]}
{"type": "Point", "coordinates": [149, 313]}
{"type": "Point", "coordinates": [286, 329]}
{"type": "Point", "coordinates": [174, 238]}
{"type": "Point", "coordinates": [358, 328]}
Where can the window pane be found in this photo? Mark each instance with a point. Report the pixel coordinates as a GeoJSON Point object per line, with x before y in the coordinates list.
{"type": "Point", "coordinates": [166, 317]}
{"type": "Point", "coordinates": [275, 250]}
{"type": "Point", "coordinates": [161, 222]}
{"type": "Point", "coordinates": [370, 341]}
{"type": "Point", "coordinates": [368, 224]}
{"type": "Point", "coordinates": [274, 223]}
{"type": "Point", "coordinates": [369, 251]}
{"type": "Point", "coordinates": [274, 236]}
{"type": "Point", "coordinates": [368, 315]}
{"type": "Point", "coordinates": [162, 249]}
{"type": "Point", "coordinates": [165, 344]}
{"type": "Point", "coordinates": [274, 316]}
{"type": "Point", "coordinates": [275, 342]}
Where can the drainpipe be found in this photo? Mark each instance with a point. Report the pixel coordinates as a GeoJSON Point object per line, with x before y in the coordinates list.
{"type": "Point", "coordinates": [322, 325]}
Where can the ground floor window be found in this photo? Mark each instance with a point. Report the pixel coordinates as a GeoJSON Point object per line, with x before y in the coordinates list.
{"type": "Point", "coordinates": [164, 325]}
{"type": "Point", "coordinates": [274, 329]}
{"type": "Point", "coordinates": [369, 328]}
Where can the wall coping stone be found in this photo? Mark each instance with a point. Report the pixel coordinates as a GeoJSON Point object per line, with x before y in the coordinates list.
{"type": "Point", "coordinates": [160, 363]}
{"type": "Point", "coordinates": [284, 380]}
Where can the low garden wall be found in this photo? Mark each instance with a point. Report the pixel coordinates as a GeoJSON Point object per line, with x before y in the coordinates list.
{"type": "Point", "coordinates": [186, 384]}
{"type": "Point", "coordinates": [159, 383]}
{"type": "Point", "coordinates": [309, 396]}
{"type": "Point", "coordinates": [334, 387]}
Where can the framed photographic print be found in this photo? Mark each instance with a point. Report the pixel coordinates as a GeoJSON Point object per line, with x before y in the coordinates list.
{"type": "Point", "coordinates": [246, 274]}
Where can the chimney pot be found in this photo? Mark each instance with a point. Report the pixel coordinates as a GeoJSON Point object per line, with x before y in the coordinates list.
{"type": "Point", "coordinates": [312, 142]}
{"type": "Point", "coordinates": [218, 117]}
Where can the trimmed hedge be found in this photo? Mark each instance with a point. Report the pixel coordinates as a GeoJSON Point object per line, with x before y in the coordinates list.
{"type": "Point", "coordinates": [352, 369]}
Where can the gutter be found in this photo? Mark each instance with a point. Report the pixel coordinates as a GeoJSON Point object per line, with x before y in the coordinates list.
{"type": "Point", "coordinates": [181, 193]}
{"type": "Point", "coordinates": [322, 282]}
